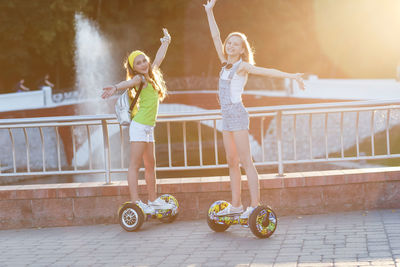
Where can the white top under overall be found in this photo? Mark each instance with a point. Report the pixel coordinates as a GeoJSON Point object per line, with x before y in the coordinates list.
{"type": "Point", "coordinates": [237, 84]}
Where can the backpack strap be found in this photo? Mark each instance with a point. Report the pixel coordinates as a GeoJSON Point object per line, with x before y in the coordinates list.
{"type": "Point", "coordinates": [137, 94]}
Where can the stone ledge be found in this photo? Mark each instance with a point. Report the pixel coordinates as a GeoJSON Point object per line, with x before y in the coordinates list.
{"type": "Point", "coordinates": [295, 193]}
{"type": "Point", "coordinates": [201, 184]}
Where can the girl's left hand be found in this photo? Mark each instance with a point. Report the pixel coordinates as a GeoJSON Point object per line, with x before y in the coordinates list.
{"type": "Point", "coordinates": [108, 91]}
{"type": "Point", "coordinates": [299, 79]}
{"type": "Point", "coordinates": [209, 5]}
{"type": "Point", "coordinates": [166, 38]}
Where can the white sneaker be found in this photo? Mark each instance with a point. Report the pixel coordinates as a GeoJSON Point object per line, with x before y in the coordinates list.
{"type": "Point", "coordinates": [160, 204]}
{"type": "Point", "coordinates": [230, 210]}
{"type": "Point", "coordinates": [246, 214]}
{"type": "Point", "coordinates": [146, 208]}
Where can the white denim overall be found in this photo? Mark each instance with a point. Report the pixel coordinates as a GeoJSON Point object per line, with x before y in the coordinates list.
{"type": "Point", "coordinates": [234, 115]}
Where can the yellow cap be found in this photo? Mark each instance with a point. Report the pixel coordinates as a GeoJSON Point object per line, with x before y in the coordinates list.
{"type": "Point", "coordinates": [133, 55]}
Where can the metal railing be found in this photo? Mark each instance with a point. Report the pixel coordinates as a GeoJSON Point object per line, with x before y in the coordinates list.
{"type": "Point", "coordinates": [78, 141]}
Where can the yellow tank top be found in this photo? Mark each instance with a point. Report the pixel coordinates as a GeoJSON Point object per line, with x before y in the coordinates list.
{"type": "Point", "coordinates": [146, 108]}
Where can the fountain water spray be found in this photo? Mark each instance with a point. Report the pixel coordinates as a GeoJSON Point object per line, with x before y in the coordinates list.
{"type": "Point", "coordinates": [95, 68]}
{"type": "Point", "coordinates": [94, 63]}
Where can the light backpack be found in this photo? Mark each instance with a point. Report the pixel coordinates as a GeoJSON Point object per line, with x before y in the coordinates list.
{"type": "Point", "coordinates": [123, 109]}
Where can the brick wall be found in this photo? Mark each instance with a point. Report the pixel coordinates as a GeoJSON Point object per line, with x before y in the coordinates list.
{"type": "Point", "coordinates": [294, 194]}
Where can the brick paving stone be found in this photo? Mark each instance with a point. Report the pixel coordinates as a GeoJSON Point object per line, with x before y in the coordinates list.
{"type": "Point", "coordinates": [237, 264]}
{"type": "Point", "coordinates": [344, 259]}
{"type": "Point", "coordinates": [286, 252]}
{"type": "Point", "coordinates": [216, 264]}
{"type": "Point", "coordinates": [263, 261]}
{"type": "Point", "coordinates": [315, 264]}
{"type": "Point", "coordinates": [338, 239]}
{"type": "Point", "coordinates": [384, 265]}
{"type": "Point", "coordinates": [347, 264]}
{"type": "Point", "coordinates": [363, 263]}
{"type": "Point", "coordinates": [286, 258]}
{"type": "Point", "coordinates": [285, 264]}
{"type": "Point", "coordinates": [380, 254]}
{"type": "Point", "coordinates": [196, 259]}
{"type": "Point", "coordinates": [261, 264]}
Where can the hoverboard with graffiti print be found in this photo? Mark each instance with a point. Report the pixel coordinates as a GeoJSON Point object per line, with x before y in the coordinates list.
{"type": "Point", "coordinates": [262, 221]}
{"type": "Point", "coordinates": [131, 216]}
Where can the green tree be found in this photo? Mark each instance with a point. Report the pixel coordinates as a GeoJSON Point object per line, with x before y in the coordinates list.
{"type": "Point", "coordinates": [37, 38]}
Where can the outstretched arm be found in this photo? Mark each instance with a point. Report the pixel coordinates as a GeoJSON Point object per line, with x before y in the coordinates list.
{"type": "Point", "coordinates": [246, 67]}
{"type": "Point", "coordinates": [111, 89]}
{"type": "Point", "coordinates": [49, 83]}
{"type": "Point", "coordinates": [165, 40]}
{"type": "Point", "coordinates": [23, 87]}
{"type": "Point", "coordinates": [216, 36]}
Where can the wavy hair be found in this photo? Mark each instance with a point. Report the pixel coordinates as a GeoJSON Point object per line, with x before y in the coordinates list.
{"type": "Point", "coordinates": [248, 55]}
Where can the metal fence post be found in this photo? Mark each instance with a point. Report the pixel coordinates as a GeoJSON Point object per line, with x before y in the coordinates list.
{"type": "Point", "coordinates": [279, 142]}
{"type": "Point", "coordinates": [107, 158]}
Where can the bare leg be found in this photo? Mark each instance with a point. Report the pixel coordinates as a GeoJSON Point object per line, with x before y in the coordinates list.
{"type": "Point", "coordinates": [150, 173]}
{"type": "Point", "coordinates": [232, 159]}
{"type": "Point", "coordinates": [243, 148]}
{"type": "Point", "coordinates": [137, 149]}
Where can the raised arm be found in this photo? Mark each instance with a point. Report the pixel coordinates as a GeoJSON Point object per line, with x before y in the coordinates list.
{"type": "Point", "coordinates": [216, 36]}
{"type": "Point", "coordinates": [251, 69]}
{"type": "Point", "coordinates": [111, 89]}
{"type": "Point", "coordinates": [165, 40]}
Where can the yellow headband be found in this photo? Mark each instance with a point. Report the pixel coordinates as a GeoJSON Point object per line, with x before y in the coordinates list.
{"type": "Point", "coordinates": [133, 55]}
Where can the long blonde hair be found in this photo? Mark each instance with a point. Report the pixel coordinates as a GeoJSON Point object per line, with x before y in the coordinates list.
{"type": "Point", "coordinates": [156, 77]}
{"type": "Point", "coordinates": [248, 55]}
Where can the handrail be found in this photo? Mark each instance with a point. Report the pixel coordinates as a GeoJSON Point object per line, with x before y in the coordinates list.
{"type": "Point", "coordinates": [286, 108]}
{"type": "Point", "coordinates": [86, 133]}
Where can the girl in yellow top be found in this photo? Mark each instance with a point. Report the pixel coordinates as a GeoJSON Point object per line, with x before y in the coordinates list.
{"type": "Point", "coordinates": [141, 130]}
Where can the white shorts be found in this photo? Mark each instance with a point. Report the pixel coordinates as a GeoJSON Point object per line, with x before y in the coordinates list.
{"type": "Point", "coordinates": [141, 133]}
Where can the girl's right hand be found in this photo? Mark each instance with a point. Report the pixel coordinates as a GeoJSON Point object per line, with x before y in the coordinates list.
{"type": "Point", "coordinates": [108, 91]}
{"type": "Point", "coordinates": [210, 4]}
{"type": "Point", "coordinates": [166, 38]}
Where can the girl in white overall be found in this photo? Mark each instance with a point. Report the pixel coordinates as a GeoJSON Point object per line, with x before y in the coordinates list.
{"type": "Point", "coordinates": [237, 60]}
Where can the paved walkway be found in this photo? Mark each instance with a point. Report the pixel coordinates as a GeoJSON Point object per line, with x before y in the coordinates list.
{"type": "Point", "coordinates": [340, 239]}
